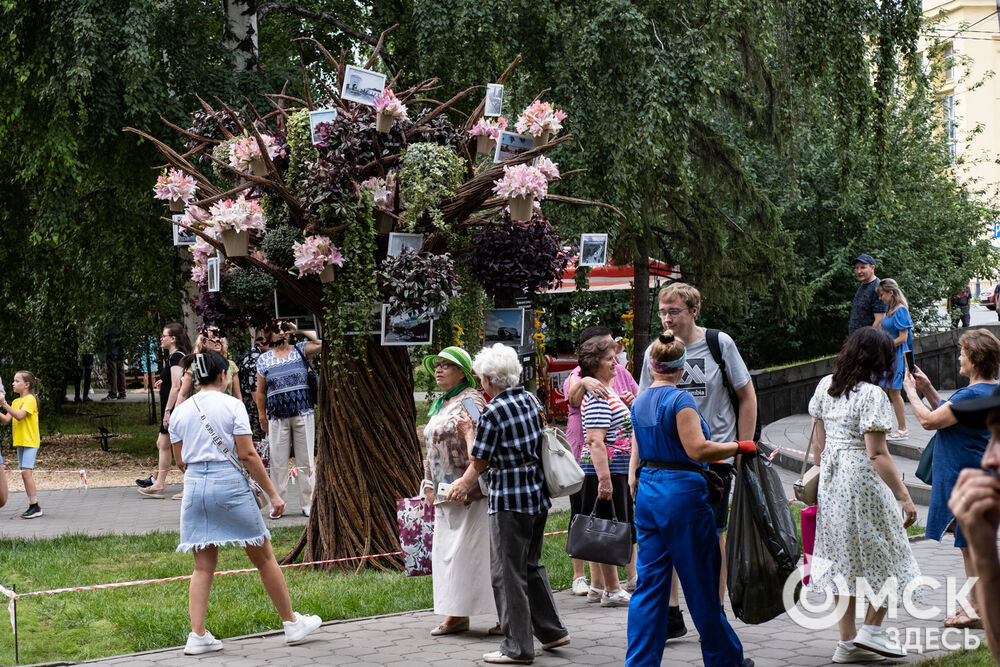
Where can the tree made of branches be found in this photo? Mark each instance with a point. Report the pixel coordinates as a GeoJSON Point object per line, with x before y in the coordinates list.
{"type": "Point", "coordinates": [368, 453]}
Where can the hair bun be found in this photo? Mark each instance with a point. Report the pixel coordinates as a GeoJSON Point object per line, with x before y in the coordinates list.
{"type": "Point", "coordinates": [667, 337]}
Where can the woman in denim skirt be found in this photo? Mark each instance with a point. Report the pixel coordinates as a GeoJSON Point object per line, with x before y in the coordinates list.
{"type": "Point", "coordinates": [219, 507]}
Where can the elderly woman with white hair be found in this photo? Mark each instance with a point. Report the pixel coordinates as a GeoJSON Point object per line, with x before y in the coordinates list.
{"type": "Point", "coordinates": [506, 440]}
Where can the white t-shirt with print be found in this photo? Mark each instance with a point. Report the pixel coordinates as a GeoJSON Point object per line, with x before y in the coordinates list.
{"type": "Point", "coordinates": [227, 415]}
{"type": "Point", "coordinates": [702, 379]}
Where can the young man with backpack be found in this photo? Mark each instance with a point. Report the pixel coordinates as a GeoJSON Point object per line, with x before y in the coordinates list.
{"type": "Point", "coordinates": [717, 377]}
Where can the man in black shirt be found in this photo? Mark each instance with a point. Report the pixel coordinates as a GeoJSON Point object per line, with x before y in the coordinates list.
{"type": "Point", "coordinates": [867, 310]}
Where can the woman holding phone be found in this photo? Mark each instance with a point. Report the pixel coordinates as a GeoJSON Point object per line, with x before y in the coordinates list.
{"type": "Point", "coordinates": [461, 554]}
{"type": "Point", "coordinates": [899, 325]}
{"type": "Point", "coordinates": [956, 445]}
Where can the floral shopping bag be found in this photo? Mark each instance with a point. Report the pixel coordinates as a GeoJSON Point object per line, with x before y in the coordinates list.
{"type": "Point", "coordinates": [415, 518]}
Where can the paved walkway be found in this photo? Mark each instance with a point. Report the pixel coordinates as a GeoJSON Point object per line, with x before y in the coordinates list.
{"type": "Point", "coordinates": [110, 511]}
{"type": "Point", "coordinates": [598, 638]}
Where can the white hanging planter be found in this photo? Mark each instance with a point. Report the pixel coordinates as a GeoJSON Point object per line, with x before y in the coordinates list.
{"type": "Point", "coordinates": [520, 208]}
{"type": "Point", "coordinates": [258, 167]}
{"type": "Point", "coordinates": [236, 243]}
{"type": "Point", "coordinates": [485, 144]}
{"type": "Point", "coordinates": [542, 138]}
{"type": "Point", "coordinates": [383, 122]}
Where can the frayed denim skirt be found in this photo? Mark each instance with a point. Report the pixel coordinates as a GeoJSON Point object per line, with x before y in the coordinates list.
{"type": "Point", "coordinates": [218, 508]}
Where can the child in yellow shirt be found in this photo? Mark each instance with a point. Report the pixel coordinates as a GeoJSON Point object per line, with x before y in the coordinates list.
{"type": "Point", "coordinates": [24, 414]}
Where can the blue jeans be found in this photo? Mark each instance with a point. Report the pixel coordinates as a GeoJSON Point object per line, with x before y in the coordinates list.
{"type": "Point", "coordinates": [676, 528]}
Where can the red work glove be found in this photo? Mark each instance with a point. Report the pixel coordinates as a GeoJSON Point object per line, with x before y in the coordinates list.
{"type": "Point", "coordinates": [746, 447]}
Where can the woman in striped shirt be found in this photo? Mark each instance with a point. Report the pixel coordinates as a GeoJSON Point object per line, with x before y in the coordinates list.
{"type": "Point", "coordinates": [607, 427]}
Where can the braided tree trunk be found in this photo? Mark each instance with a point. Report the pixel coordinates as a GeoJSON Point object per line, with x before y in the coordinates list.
{"type": "Point", "coordinates": [367, 456]}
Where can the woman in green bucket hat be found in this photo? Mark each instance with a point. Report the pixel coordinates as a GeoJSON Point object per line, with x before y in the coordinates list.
{"type": "Point", "coordinates": [461, 555]}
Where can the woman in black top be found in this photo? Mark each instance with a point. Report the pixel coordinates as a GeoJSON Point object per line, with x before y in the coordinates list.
{"type": "Point", "coordinates": [175, 341]}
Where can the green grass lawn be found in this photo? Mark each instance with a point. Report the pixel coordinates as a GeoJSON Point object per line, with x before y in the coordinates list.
{"type": "Point", "coordinates": [85, 625]}
{"type": "Point", "coordinates": [979, 658]}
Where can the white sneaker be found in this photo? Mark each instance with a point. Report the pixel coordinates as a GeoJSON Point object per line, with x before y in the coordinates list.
{"type": "Point", "coordinates": [580, 586]}
{"type": "Point", "coordinates": [616, 599]}
{"type": "Point", "coordinates": [204, 644]}
{"type": "Point", "coordinates": [301, 628]}
{"type": "Point", "coordinates": [878, 642]}
{"type": "Point", "coordinates": [845, 655]}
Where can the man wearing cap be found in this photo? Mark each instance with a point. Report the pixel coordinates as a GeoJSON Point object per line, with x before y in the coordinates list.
{"type": "Point", "coordinates": [867, 310]}
{"type": "Point", "coordinates": [975, 502]}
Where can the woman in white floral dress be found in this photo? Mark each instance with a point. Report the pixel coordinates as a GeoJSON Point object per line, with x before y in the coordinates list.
{"type": "Point", "coordinates": [860, 529]}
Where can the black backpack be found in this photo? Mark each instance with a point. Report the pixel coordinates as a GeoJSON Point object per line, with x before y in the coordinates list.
{"type": "Point", "coordinates": [712, 338]}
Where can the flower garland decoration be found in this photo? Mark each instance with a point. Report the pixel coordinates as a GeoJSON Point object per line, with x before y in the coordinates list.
{"type": "Point", "coordinates": [174, 185]}
{"type": "Point", "coordinates": [388, 104]}
{"type": "Point", "coordinates": [239, 215]}
{"type": "Point", "coordinates": [548, 168]}
{"type": "Point", "coordinates": [245, 151]}
{"type": "Point", "coordinates": [314, 254]}
{"type": "Point", "coordinates": [522, 180]}
{"type": "Point", "coordinates": [487, 127]}
{"type": "Point", "coordinates": [540, 118]}
{"type": "Point", "coordinates": [383, 190]}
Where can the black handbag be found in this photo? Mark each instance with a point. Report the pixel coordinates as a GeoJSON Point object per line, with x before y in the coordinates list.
{"type": "Point", "coordinates": [926, 460]}
{"type": "Point", "coordinates": [599, 540]}
{"type": "Point", "coordinates": [312, 379]}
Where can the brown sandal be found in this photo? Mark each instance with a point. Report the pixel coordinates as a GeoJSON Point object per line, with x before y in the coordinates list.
{"type": "Point", "coordinates": [962, 620]}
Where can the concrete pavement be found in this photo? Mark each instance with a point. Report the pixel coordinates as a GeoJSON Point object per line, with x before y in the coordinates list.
{"type": "Point", "coordinates": [598, 637]}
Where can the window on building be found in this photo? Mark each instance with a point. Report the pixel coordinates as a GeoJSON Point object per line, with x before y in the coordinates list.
{"type": "Point", "coordinates": [950, 70]}
{"type": "Point", "coordinates": [948, 119]}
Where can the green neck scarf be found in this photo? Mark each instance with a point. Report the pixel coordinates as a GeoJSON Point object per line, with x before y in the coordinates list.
{"type": "Point", "coordinates": [454, 391]}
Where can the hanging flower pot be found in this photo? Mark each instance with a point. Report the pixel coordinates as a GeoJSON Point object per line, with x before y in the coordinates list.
{"type": "Point", "coordinates": [485, 144]}
{"type": "Point", "coordinates": [521, 185]}
{"type": "Point", "coordinates": [387, 109]}
{"type": "Point", "coordinates": [177, 205]}
{"type": "Point", "coordinates": [258, 168]}
{"type": "Point", "coordinates": [236, 243]}
{"type": "Point", "coordinates": [383, 122]}
{"type": "Point", "coordinates": [520, 207]}
{"type": "Point", "coordinates": [542, 138]}
{"type": "Point", "coordinates": [326, 275]}
{"type": "Point", "coordinates": [383, 223]}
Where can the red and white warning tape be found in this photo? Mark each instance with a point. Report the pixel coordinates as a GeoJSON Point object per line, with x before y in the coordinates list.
{"type": "Point", "coordinates": [122, 584]}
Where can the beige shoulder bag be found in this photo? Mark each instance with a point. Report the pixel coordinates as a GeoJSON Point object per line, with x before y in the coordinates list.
{"type": "Point", "coordinates": [807, 486]}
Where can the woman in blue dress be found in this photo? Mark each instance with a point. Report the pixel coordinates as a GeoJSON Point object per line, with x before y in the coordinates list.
{"type": "Point", "coordinates": [673, 517]}
{"type": "Point", "coordinates": [956, 446]}
{"type": "Point", "coordinates": [898, 324]}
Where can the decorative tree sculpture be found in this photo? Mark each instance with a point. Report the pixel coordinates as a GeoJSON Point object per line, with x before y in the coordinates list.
{"type": "Point", "coordinates": [316, 215]}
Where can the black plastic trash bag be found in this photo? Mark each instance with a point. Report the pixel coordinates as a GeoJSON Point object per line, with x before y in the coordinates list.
{"type": "Point", "coordinates": [762, 546]}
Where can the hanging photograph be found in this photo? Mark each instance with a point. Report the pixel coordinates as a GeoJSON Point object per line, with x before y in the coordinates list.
{"type": "Point", "coordinates": [213, 274]}
{"type": "Point", "coordinates": [593, 249]}
{"type": "Point", "coordinates": [182, 236]}
{"type": "Point", "coordinates": [400, 242]}
{"type": "Point", "coordinates": [361, 85]}
{"type": "Point", "coordinates": [511, 144]}
{"type": "Point", "coordinates": [406, 329]}
{"type": "Point", "coordinates": [320, 116]}
{"type": "Point", "coordinates": [494, 99]}
{"type": "Point", "coordinates": [504, 325]}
